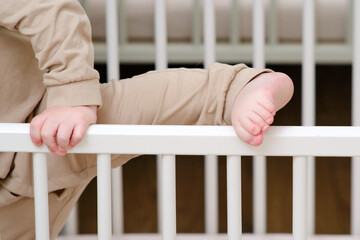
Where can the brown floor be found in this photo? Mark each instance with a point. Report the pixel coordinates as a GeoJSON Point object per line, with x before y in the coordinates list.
{"type": "Point", "coordinates": [332, 174]}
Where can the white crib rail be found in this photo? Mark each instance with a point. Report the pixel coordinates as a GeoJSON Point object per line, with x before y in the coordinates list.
{"type": "Point", "coordinates": [187, 140]}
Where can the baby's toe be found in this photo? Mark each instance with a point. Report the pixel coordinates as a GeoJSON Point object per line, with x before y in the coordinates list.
{"type": "Point", "coordinates": [250, 126]}
{"type": "Point", "coordinates": [254, 123]}
{"type": "Point", "coordinates": [265, 115]}
{"type": "Point", "coordinates": [246, 136]}
{"type": "Point", "coordinates": [256, 140]}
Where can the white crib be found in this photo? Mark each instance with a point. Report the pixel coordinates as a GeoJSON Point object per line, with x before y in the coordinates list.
{"type": "Point", "coordinates": [169, 141]}
{"type": "Point", "coordinates": [256, 46]}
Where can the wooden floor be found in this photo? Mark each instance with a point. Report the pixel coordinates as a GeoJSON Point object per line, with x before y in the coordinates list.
{"type": "Point", "coordinates": [332, 174]}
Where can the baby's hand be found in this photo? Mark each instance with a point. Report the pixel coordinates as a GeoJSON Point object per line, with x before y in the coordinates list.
{"type": "Point", "coordinates": [61, 128]}
{"type": "Point", "coordinates": [256, 104]}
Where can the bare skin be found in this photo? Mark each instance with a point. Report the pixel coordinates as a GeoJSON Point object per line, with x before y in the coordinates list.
{"type": "Point", "coordinates": [61, 128]}
{"type": "Point", "coordinates": [257, 103]}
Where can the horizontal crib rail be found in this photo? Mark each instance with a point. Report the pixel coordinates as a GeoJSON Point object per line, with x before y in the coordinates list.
{"type": "Point", "coordinates": [325, 53]}
{"type": "Point", "coordinates": [196, 140]}
{"type": "Point", "coordinates": [169, 141]}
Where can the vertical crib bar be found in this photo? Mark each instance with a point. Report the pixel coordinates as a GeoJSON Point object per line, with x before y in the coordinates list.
{"type": "Point", "coordinates": [159, 193]}
{"type": "Point", "coordinates": [299, 198]}
{"type": "Point", "coordinates": [355, 169]}
{"type": "Point", "coordinates": [113, 72]}
{"type": "Point", "coordinates": [311, 196]}
{"type": "Point", "coordinates": [273, 24]}
{"type": "Point", "coordinates": [123, 38]}
{"type": "Point", "coordinates": [308, 96]}
{"type": "Point", "coordinates": [104, 196]}
{"type": "Point", "coordinates": [196, 23]}
{"type": "Point", "coordinates": [308, 64]}
{"type": "Point", "coordinates": [259, 194]}
{"type": "Point", "coordinates": [259, 176]}
{"type": "Point", "coordinates": [209, 33]}
{"type": "Point", "coordinates": [160, 35]}
{"type": "Point", "coordinates": [117, 200]}
{"type": "Point", "coordinates": [258, 34]}
{"type": "Point", "coordinates": [234, 34]}
{"type": "Point", "coordinates": [211, 167]}
{"type": "Point", "coordinates": [168, 197]}
{"type": "Point", "coordinates": [41, 196]}
{"type": "Point", "coordinates": [112, 42]}
{"type": "Point", "coordinates": [211, 194]}
{"type": "Point", "coordinates": [234, 197]}
{"type": "Point", "coordinates": [161, 62]}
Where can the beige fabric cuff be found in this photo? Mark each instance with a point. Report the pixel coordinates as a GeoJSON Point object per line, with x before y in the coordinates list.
{"type": "Point", "coordinates": [244, 76]}
{"type": "Point", "coordinates": [75, 94]}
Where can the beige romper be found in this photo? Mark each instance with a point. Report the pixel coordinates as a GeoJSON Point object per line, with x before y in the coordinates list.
{"type": "Point", "coordinates": [46, 59]}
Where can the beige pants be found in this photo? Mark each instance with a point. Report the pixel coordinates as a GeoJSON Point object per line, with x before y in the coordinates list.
{"type": "Point", "coordinates": [178, 96]}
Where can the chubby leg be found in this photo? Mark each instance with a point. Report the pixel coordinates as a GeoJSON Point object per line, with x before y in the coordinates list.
{"type": "Point", "coordinates": [256, 104]}
{"type": "Point", "coordinates": [246, 98]}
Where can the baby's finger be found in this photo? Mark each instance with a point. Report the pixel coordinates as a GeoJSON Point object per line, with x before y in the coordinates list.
{"type": "Point", "coordinates": [35, 129]}
{"type": "Point", "coordinates": [48, 135]}
{"type": "Point", "coordinates": [63, 136]}
{"type": "Point", "coordinates": [77, 135]}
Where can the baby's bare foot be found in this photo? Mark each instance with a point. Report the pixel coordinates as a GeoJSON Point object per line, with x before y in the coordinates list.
{"type": "Point", "coordinates": [256, 105]}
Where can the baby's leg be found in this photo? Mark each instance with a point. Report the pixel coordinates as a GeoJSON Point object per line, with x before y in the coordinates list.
{"type": "Point", "coordinates": [255, 106]}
